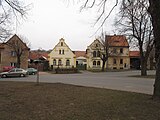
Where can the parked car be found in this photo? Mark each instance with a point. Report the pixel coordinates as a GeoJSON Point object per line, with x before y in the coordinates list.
{"type": "Point", "coordinates": [31, 71]}
{"type": "Point", "coordinates": [7, 68]}
{"type": "Point", "coordinates": [15, 72]}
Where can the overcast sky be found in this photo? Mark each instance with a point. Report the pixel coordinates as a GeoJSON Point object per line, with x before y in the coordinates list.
{"type": "Point", "coordinates": [50, 20]}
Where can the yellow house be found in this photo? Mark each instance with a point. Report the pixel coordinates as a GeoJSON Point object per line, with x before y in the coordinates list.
{"type": "Point", "coordinates": [94, 51]}
{"type": "Point", "coordinates": [118, 53]}
{"type": "Point", "coordinates": [62, 56]}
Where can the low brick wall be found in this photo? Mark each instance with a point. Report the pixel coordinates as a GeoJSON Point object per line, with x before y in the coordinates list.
{"type": "Point", "coordinates": [66, 70]}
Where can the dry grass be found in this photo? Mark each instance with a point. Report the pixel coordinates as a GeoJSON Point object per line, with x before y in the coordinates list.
{"type": "Point", "coordinates": [27, 101]}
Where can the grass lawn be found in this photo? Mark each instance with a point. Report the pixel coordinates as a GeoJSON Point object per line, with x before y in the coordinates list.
{"type": "Point", "coordinates": [27, 101]}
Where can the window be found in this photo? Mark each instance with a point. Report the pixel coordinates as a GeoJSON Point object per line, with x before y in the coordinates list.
{"type": "Point", "coordinates": [59, 62]}
{"type": "Point", "coordinates": [125, 65]}
{"type": "Point", "coordinates": [12, 70]}
{"type": "Point", "coordinates": [19, 70]}
{"type": "Point", "coordinates": [121, 50]}
{"type": "Point", "coordinates": [59, 51]}
{"type": "Point", "coordinates": [13, 53]}
{"type": "Point", "coordinates": [94, 53]}
{"type": "Point", "coordinates": [94, 63]}
{"type": "Point", "coordinates": [121, 61]}
{"type": "Point", "coordinates": [114, 61]}
{"type": "Point", "coordinates": [98, 63]}
{"type": "Point", "coordinates": [98, 53]}
{"type": "Point", "coordinates": [114, 50]}
{"type": "Point", "coordinates": [63, 52]}
{"type": "Point", "coordinates": [67, 63]}
{"type": "Point", "coordinates": [54, 62]}
{"type": "Point", "coordinates": [13, 64]}
{"type": "Point", "coordinates": [61, 43]}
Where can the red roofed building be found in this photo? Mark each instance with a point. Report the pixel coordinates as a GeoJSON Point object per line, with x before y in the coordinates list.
{"type": "Point", "coordinates": [118, 52]}
{"type": "Point", "coordinates": [81, 60]}
{"type": "Point", "coordinates": [134, 59]}
{"type": "Point", "coordinates": [39, 55]}
{"type": "Point", "coordinates": [117, 41]}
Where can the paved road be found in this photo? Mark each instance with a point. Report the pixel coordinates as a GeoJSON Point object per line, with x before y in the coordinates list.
{"type": "Point", "coordinates": [111, 80]}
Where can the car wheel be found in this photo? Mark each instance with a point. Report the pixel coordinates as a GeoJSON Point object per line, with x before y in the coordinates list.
{"type": "Point", "coordinates": [4, 76]}
{"type": "Point", "coordinates": [22, 75]}
{"type": "Point", "coordinates": [33, 73]}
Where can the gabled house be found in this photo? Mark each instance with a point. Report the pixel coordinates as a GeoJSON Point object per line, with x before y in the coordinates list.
{"type": "Point", "coordinates": [93, 54]}
{"type": "Point", "coordinates": [62, 56]}
{"type": "Point", "coordinates": [14, 53]}
{"type": "Point", "coordinates": [118, 52]}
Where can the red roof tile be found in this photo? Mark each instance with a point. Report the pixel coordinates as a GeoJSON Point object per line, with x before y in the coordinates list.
{"type": "Point", "coordinates": [80, 53]}
{"type": "Point", "coordinates": [117, 40]}
{"type": "Point", "coordinates": [134, 53]}
{"type": "Point", "coordinates": [35, 55]}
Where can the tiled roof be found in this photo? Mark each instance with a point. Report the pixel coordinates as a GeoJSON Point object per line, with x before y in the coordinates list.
{"type": "Point", "coordinates": [1, 46]}
{"type": "Point", "coordinates": [134, 53]}
{"type": "Point", "coordinates": [117, 40]}
{"type": "Point", "coordinates": [80, 53]}
{"type": "Point", "coordinates": [36, 55]}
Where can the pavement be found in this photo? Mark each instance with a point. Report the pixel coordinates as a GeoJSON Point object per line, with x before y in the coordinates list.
{"type": "Point", "coordinates": [108, 80]}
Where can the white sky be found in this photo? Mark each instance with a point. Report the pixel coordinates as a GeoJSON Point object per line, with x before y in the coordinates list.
{"type": "Point", "coordinates": [50, 20]}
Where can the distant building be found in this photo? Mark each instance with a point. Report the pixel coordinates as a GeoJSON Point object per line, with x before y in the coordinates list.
{"type": "Point", "coordinates": [81, 60]}
{"type": "Point", "coordinates": [118, 52]}
{"type": "Point", "coordinates": [134, 59]}
{"type": "Point", "coordinates": [93, 54]}
{"type": "Point", "coordinates": [39, 55]}
{"type": "Point", "coordinates": [62, 56]}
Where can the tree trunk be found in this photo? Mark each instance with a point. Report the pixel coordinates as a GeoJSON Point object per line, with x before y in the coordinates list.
{"type": "Point", "coordinates": [155, 13]}
{"type": "Point", "coordinates": [18, 61]}
{"type": "Point", "coordinates": [143, 68]}
{"type": "Point", "coordinates": [103, 65]}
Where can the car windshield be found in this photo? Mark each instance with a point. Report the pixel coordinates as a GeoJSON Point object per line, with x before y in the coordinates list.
{"type": "Point", "coordinates": [12, 70]}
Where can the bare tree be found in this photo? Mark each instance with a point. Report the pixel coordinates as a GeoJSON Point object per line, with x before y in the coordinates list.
{"type": "Point", "coordinates": [105, 54]}
{"type": "Point", "coordinates": [8, 9]}
{"type": "Point", "coordinates": [154, 10]}
{"type": "Point", "coordinates": [136, 23]}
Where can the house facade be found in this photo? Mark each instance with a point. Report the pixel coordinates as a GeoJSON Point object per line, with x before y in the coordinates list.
{"type": "Point", "coordinates": [93, 54]}
{"type": "Point", "coordinates": [62, 56]}
{"type": "Point", "coordinates": [118, 52]}
{"type": "Point", "coordinates": [8, 53]}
